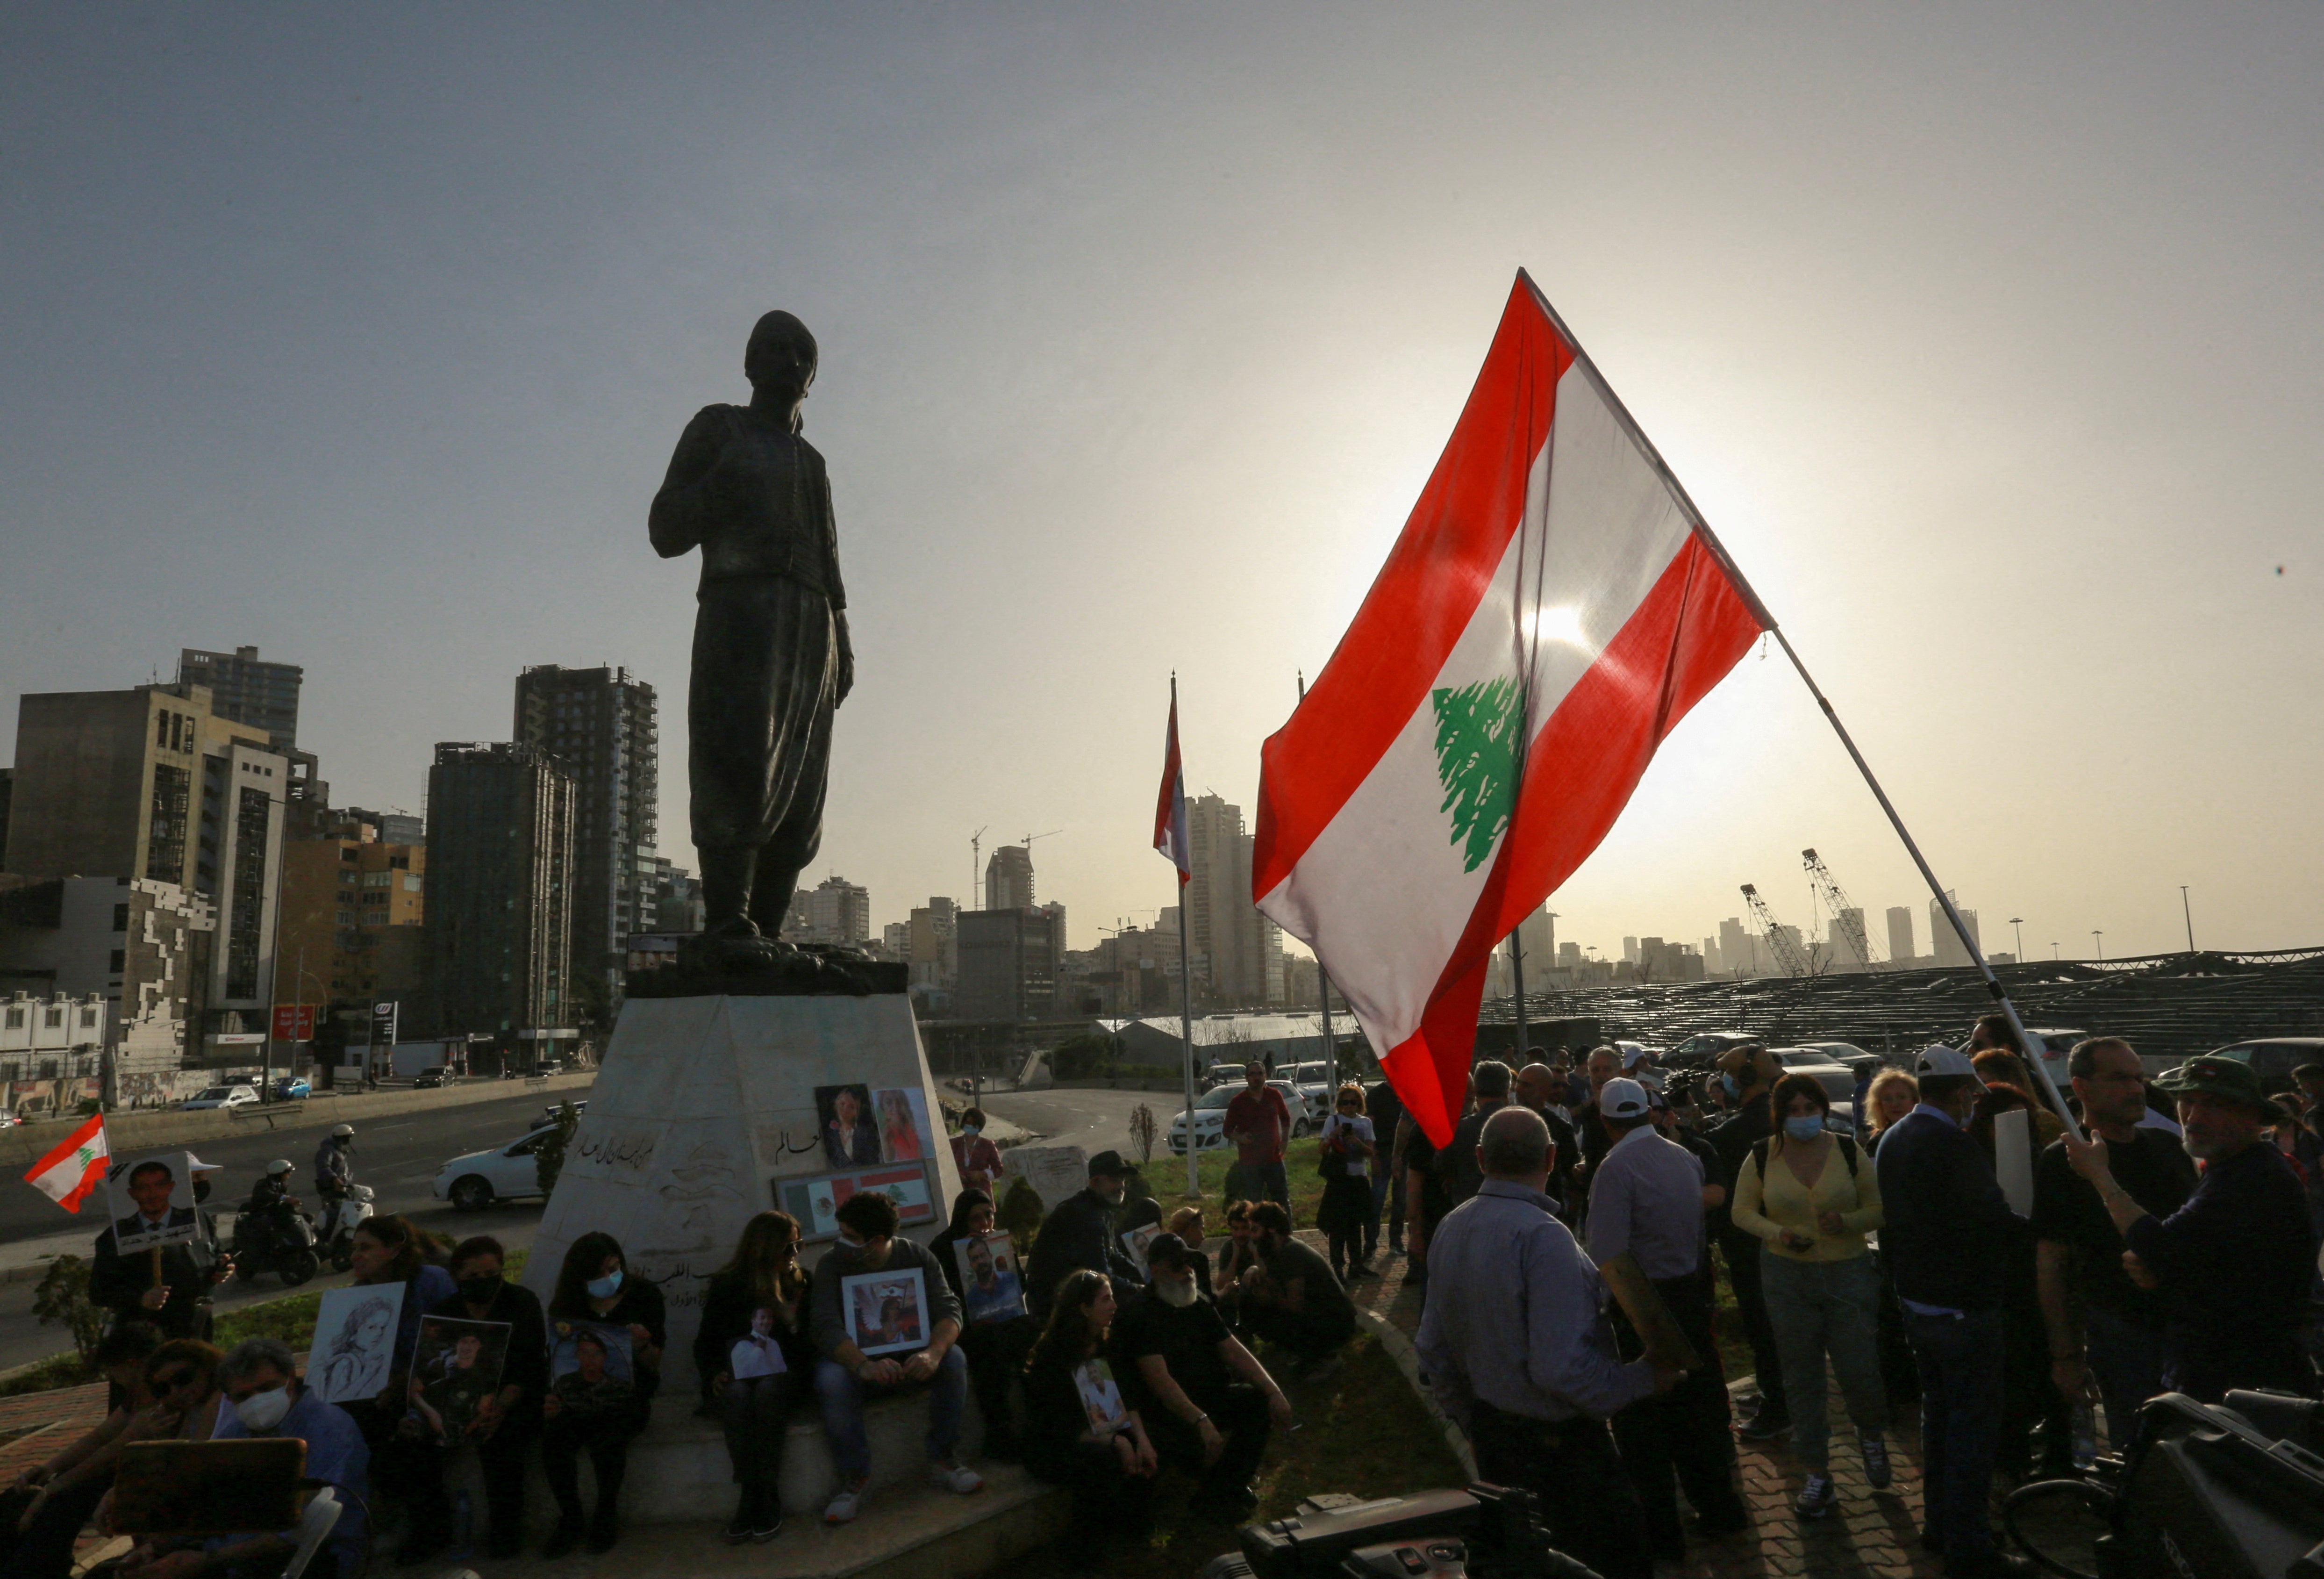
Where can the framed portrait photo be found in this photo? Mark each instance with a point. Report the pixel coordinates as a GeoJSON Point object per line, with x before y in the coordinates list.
{"type": "Point", "coordinates": [887, 1313]}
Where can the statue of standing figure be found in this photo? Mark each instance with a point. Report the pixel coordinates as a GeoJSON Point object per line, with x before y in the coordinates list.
{"type": "Point", "coordinates": [772, 659]}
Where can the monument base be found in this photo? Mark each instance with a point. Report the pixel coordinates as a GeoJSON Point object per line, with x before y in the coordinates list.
{"type": "Point", "coordinates": [704, 1114]}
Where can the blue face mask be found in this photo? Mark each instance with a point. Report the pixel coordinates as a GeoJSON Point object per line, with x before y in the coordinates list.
{"type": "Point", "coordinates": [606, 1286]}
{"type": "Point", "coordinates": [1804, 1128]}
{"type": "Point", "coordinates": [1727, 1083]}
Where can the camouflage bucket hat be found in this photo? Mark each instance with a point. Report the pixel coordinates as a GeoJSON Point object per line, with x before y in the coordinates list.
{"type": "Point", "coordinates": [2230, 1079]}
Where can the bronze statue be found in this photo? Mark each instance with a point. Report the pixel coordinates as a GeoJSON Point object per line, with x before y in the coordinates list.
{"type": "Point", "coordinates": [771, 660]}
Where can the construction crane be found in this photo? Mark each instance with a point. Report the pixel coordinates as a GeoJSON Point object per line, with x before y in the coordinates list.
{"type": "Point", "coordinates": [1028, 840]}
{"type": "Point", "coordinates": [976, 869]}
{"type": "Point", "coordinates": [1779, 943]}
{"type": "Point", "coordinates": [1847, 920]}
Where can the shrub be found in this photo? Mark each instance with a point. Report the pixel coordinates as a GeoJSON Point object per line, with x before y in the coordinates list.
{"type": "Point", "coordinates": [62, 1300]}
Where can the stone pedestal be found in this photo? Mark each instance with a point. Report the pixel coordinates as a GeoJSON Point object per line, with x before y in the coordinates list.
{"type": "Point", "coordinates": [703, 1108]}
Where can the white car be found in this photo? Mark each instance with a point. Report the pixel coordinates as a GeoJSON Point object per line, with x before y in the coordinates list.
{"type": "Point", "coordinates": [476, 1180]}
{"type": "Point", "coordinates": [215, 1097]}
{"type": "Point", "coordinates": [1211, 1117]}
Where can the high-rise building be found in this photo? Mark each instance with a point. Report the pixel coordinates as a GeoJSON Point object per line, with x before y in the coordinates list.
{"type": "Point", "coordinates": [1008, 879]}
{"type": "Point", "coordinates": [1900, 934]}
{"type": "Point", "coordinates": [500, 910]}
{"type": "Point", "coordinates": [354, 918]}
{"type": "Point", "coordinates": [600, 723]}
{"type": "Point", "coordinates": [138, 946]}
{"type": "Point", "coordinates": [1847, 934]}
{"type": "Point", "coordinates": [391, 828]}
{"type": "Point", "coordinates": [674, 902]}
{"type": "Point", "coordinates": [896, 940]}
{"type": "Point", "coordinates": [1739, 951]}
{"type": "Point", "coordinates": [264, 696]}
{"type": "Point", "coordinates": [1238, 953]}
{"type": "Point", "coordinates": [1944, 941]}
{"type": "Point", "coordinates": [935, 944]}
{"type": "Point", "coordinates": [1008, 966]}
{"type": "Point", "coordinates": [150, 783]}
{"type": "Point", "coordinates": [1569, 956]}
{"type": "Point", "coordinates": [1630, 951]}
{"type": "Point", "coordinates": [838, 912]}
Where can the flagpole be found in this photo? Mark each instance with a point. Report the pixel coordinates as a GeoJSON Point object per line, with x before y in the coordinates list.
{"type": "Point", "coordinates": [1767, 621]}
{"type": "Point", "coordinates": [1324, 995]}
{"type": "Point", "coordinates": [1517, 975]}
{"type": "Point", "coordinates": [1186, 978]}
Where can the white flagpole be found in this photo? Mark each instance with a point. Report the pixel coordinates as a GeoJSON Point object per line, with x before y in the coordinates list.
{"type": "Point", "coordinates": [1767, 621]}
{"type": "Point", "coordinates": [1323, 993]}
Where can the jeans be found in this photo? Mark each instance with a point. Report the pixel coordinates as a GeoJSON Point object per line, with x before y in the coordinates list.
{"type": "Point", "coordinates": [1818, 1308]}
{"type": "Point", "coordinates": [1571, 1467]}
{"type": "Point", "coordinates": [1742, 1253]}
{"type": "Point", "coordinates": [842, 1396]}
{"type": "Point", "coordinates": [1961, 1361]}
{"type": "Point", "coordinates": [1387, 1198]}
{"type": "Point", "coordinates": [1274, 1183]}
{"type": "Point", "coordinates": [607, 1435]}
{"type": "Point", "coordinates": [756, 1413]}
{"type": "Point", "coordinates": [2124, 1359]}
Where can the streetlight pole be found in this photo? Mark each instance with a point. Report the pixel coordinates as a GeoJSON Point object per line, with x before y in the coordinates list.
{"type": "Point", "coordinates": [2099, 938]}
{"type": "Point", "coordinates": [2019, 922]}
{"type": "Point", "coordinates": [2190, 914]}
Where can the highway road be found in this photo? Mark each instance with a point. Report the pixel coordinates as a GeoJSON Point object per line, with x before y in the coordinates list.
{"type": "Point", "coordinates": [1094, 1120]}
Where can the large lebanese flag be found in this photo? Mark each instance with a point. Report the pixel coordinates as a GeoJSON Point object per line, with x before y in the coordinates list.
{"type": "Point", "coordinates": [1554, 587]}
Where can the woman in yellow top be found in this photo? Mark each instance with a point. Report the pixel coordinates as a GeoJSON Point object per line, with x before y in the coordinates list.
{"type": "Point", "coordinates": [1812, 1196]}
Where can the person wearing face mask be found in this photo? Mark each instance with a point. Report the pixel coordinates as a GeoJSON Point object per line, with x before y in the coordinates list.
{"type": "Point", "coordinates": [1809, 1197]}
{"type": "Point", "coordinates": [978, 1159]}
{"type": "Point", "coordinates": [1208, 1402]}
{"type": "Point", "coordinates": [1079, 1235]}
{"type": "Point", "coordinates": [844, 1374]}
{"type": "Point", "coordinates": [596, 1286]}
{"type": "Point", "coordinates": [1746, 1072]}
{"type": "Point", "coordinates": [995, 1345]}
{"type": "Point", "coordinates": [411, 1463]}
{"type": "Point", "coordinates": [264, 1398]}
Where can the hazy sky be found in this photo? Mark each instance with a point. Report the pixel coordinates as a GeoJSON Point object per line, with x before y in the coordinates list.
{"type": "Point", "coordinates": [1987, 336]}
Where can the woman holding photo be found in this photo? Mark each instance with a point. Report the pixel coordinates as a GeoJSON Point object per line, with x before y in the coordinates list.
{"type": "Point", "coordinates": [754, 1356]}
{"type": "Point", "coordinates": [1107, 1464]}
{"type": "Point", "coordinates": [995, 1345]}
{"type": "Point", "coordinates": [595, 1287]}
{"type": "Point", "coordinates": [381, 1252]}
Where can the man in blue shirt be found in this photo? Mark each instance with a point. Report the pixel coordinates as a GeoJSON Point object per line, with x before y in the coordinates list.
{"type": "Point", "coordinates": [1947, 1223]}
{"type": "Point", "coordinates": [1519, 1350]}
{"type": "Point", "coordinates": [2233, 1265]}
{"type": "Point", "coordinates": [264, 1398]}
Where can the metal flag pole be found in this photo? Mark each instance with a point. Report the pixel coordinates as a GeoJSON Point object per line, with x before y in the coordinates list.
{"type": "Point", "coordinates": [1323, 993]}
{"type": "Point", "coordinates": [1516, 979]}
{"type": "Point", "coordinates": [1186, 961]}
{"type": "Point", "coordinates": [1767, 622]}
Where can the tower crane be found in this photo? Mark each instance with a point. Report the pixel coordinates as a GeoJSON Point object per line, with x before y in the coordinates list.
{"type": "Point", "coordinates": [976, 869]}
{"type": "Point", "coordinates": [1846, 920]}
{"type": "Point", "coordinates": [1028, 840]}
{"type": "Point", "coordinates": [1779, 943]}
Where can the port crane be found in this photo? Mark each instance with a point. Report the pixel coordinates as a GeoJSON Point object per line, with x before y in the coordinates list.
{"type": "Point", "coordinates": [1779, 943]}
{"type": "Point", "coordinates": [1847, 920]}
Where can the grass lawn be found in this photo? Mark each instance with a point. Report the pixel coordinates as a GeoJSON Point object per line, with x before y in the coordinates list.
{"type": "Point", "coordinates": [1361, 1431]}
{"type": "Point", "coordinates": [1166, 1180]}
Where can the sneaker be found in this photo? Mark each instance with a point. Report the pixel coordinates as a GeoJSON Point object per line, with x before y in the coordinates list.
{"type": "Point", "coordinates": [842, 1507]}
{"type": "Point", "coordinates": [1875, 1462]}
{"type": "Point", "coordinates": [738, 1528]}
{"type": "Point", "coordinates": [1765, 1426]}
{"type": "Point", "coordinates": [952, 1475]}
{"type": "Point", "coordinates": [1817, 1497]}
{"type": "Point", "coordinates": [769, 1524]}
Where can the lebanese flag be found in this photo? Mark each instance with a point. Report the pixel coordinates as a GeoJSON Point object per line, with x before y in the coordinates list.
{"type": "Point", "coordinates": [1553, 589]}
{"type": "Point", "coordinates": [1170, 811]}
{"type": "Point", "coordinates": [75, 1168]}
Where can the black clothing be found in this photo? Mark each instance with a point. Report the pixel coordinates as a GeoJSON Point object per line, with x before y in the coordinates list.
{"type": "Point", "coordinates": [1731, 1142]}
{"type": "Point", "coordinates": [2235, 1264]}
{"type": "Point", "coordinates": [1733, 1139]}
{"type": "Point", "coordinates": [2157, 1173]}
{"type": "Point", "coordinates": [1187, 1337]}
{"type": "Point", "coordinates": [1078, 1237]}
{"type": "Point", "coordinates": [413, 1468]}
{"type": "Point", "coordinates": [1945, 1215]}
{"type": "Point", "coordinates": [526, 1365]}
{"type": "Point", "coordinates": [1680, 1440]}
{"type": "Point", "coordinates": [1326, 1317]}
{"type": "Point", "coordinates": [116, 1282]}
{"type": "Point", "coordinates": [1106, 1500]}
{"type": "Point", "coordinates": [727, 1308]}
{"type": "Point", "coordinates": [1585, 1500]}
{"type": "Point", "coordinates": [606, 1427]}
{"type": "Point", "coordinates": [1420, 1156]}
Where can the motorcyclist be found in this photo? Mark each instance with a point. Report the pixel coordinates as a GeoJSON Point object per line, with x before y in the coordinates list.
{"type": "Point", "coordinates": [271, 1192]}
{"type": "Point", "coordinates": [335, 1167]}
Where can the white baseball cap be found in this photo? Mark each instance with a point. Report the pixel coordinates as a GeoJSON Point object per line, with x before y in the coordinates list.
{"type": "Point", "coordinates": [1937, 1059]}
{"type": "Point", "coordinates": [1634, 1057]}
{"type": "Point", "coordinates": [1622, 1099]}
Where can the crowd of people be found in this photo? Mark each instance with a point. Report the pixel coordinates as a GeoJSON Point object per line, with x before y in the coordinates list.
{"type": "Point", "coordinates": [2170, 1245]}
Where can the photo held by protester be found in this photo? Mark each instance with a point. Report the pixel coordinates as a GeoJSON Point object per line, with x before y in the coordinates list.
{"type": "Point", "coordinates": [1574, 485]}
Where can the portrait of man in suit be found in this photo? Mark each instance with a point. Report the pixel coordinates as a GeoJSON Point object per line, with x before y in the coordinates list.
{"type": "Point", "coordinates": [151, 1184]}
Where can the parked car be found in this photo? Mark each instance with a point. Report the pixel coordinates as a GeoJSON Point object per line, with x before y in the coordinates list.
{"type": "Point", "coordinates": [1838, 1080]}
{"type": "Point", "coordinates": [217, 1096]}
{"type": "Point", "coordinates": [2274, 1057]}
{"type": "Point", "coordinates": [476, 1179]}
{"type": "Point", "coordinates": [548, 1119]}
{"type": "Point", "coordinates": [1702, 1050]}
{"type": "Point", "coordinates": [291, 1088]}
{"type": "Point", "coordinates": [1211, 1117]}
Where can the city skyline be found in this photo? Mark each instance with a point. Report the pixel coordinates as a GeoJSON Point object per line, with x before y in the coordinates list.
{"type": "Point", "coordinates": [1110, 389]}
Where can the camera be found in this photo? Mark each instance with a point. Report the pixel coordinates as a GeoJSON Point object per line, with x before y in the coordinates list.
{"type": "Point", "coordinates": [1488, 1531]}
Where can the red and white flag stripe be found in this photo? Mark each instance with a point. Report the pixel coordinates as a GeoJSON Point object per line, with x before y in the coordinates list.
{"type": "Point", "coordinates": [1170, 811]}
{"type": "Point", "coordinates": [1552, 586]}
{"type": "Point", "coordinates": [73, 1167]}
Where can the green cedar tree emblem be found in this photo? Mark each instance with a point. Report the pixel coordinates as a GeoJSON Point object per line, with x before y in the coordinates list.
{"type": "Point", "coordinates": [1477, 731]}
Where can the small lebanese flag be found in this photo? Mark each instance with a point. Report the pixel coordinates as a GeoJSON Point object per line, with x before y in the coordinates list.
{"type": "Point", "coordinates": [75, 1168]}
{"type": "Point", "coordinates": [1555, 592]}
{"type": "Point", "coordinates": [1170, 811]}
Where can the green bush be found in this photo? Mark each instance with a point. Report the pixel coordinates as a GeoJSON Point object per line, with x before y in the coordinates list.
{"type": "Point", "coordinates": [62, 1300]}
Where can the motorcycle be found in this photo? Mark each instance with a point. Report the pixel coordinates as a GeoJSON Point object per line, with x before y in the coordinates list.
{"type": "Point", "coordinates": [277, 1239]}
{"type": "Point", "coordinates": [339, 1222]}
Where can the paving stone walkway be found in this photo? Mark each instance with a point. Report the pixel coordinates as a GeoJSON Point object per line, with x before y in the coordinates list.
{"type": "Point", "coordinates": [1871, 1535]}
